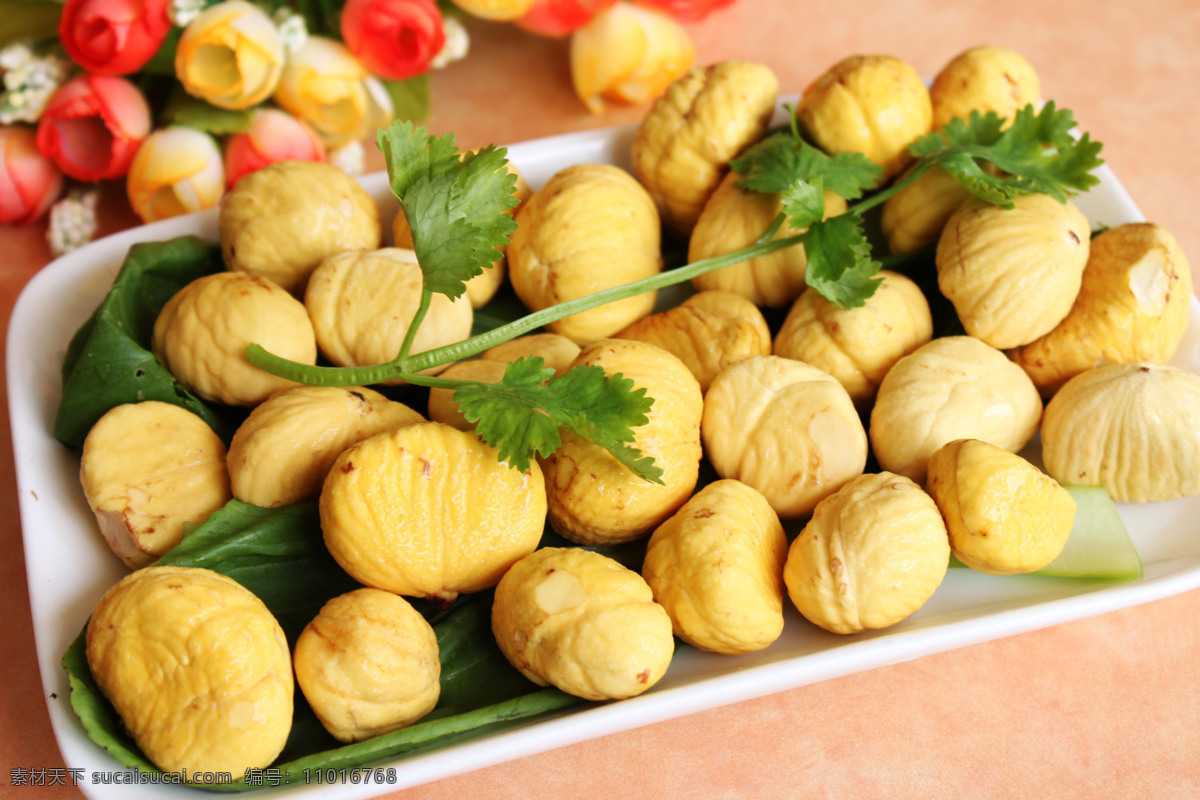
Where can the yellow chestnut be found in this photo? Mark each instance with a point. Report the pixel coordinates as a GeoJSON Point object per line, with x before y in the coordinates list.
{"type": "Point", "coordinates": [590, 227]}
{"type": "Point", "coordinates": [734, 218]}
{"type": "Point", "coordinates": [716, 566]}
{"type": "Point", "coordinates": [708, 331]}
{"type": "Point", "coordinates": [1133, 305]}
{"type": "Point", "coordinates": [196, 666]}
{"type": "Point", "coordinates": [1132, 428]}
{"type": "Point", "coordinates": [368, 664]}
{"type": "Point", "coordinates": [873, 553]}
{"type": "Point", "coordinates": [592, 497]}
{"type": "Point", "coordinates": [582, 622]}
{"type": "Point", "coordinates": [1004, 515]}
{"type": "Point", "coordinates": [427, 510]}
{"type": "Point", "coordinates": [1013, 274]}
{"type": "Point", "coordinates": [876, 105]}
{"type": "Point", "coordinates": [984, 78]}
{"type": "Point", "coordinates": [683, 145]}
{"type": "Point", "coordinates": [786, 428]}
{"type": "Point", "coordinates": [954, 387]}
{"type": "Point", "coordinates": [857, 345]}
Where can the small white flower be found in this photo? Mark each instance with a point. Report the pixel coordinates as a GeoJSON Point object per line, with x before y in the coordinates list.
{"type": "Point", "coordinates": [72, 221]}
{"type": "Point", "coordinates": [458, 42]}
{"type": "Point", "coordinates": [181, 12]}
{"type": "Point", "coordinates": [16, 54]}
{"type": "Point", "coordinates": [293, 31]}
{"type": "Point", "coordinates": [350, 158]}
{"type": "Point", "coordinates": [29, 80]}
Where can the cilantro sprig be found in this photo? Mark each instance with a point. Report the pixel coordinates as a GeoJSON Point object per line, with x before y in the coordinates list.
{"type": "Point", "coordinates": [1037, 153]}
{"type": "Point", "coordinates": [455, 206]}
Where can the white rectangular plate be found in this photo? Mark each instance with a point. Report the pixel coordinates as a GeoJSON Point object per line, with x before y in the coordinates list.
{"type": "Point", "coordinates": [70, 567]}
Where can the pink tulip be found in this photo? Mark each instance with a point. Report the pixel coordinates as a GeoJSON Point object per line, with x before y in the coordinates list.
{"type": "Point", "coordinates": [557, 18]}
{"type": "Point", "coordinates": [395, 39]}
{"type": "Point", "coordinates": [113, 37]}
{"type": "Point", "coordinates": [92, 125]}
{"type": "Point", "coordinates": [273, 135]}
{"type": "Point", "coordinates": [29, 182]}
{"type": "Point", "coordinates": [686, 10]}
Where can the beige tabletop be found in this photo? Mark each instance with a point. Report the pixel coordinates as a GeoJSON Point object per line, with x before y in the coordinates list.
{"type": "Point", "coordinates": [1104, 707]}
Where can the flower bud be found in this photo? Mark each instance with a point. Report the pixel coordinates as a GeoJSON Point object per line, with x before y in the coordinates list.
{"type": "Point", "coordinates": [230, 55]}
{"type": "Point", "coordinates": [686, 10]}
{"type": "Point", "coordinates": [273, 135]}
{"type": "Point", "coordinates": [557, 18]}
{"type": "Point", "coordinates": [496, 10]}
{"type": "Point", "coordinates": [92, 125]}
{"type": "Point", "coordinates": [629, 54]}
{"type": "Point", "coordinates": [395, 39]}
{"type": "Point", "coordinates": [177, 171]}
{"type": "Point", "coordinates": [113, 37]}
{"type": "Point", "coordinates": [29, 182]}
{"type": "Point", "coordinates": [327, 87]}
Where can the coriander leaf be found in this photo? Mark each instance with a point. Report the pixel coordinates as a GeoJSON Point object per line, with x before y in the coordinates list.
{"type": "Point", "coordinates": [412, 152]}
{"type": "Point", "coordinates": [521, 415]}
{"type": "Point", "coordinates": [1037, 153]}
{"type": "Point", "coordinates": [804, 203]}
{"type": "Point", "coordinates": [455, 206]}
{"type": "Point", "coordinates": [840, 267]}
{"type": "Point", "coordinates": [783, 159]}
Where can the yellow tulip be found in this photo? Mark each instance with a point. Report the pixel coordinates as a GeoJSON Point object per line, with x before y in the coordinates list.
{"type": "Point", "coordinates": [176, 171]}
{"type": "Point", "coordinates": [327, 87]}
{"type": "Point", "coordinates": [629, 54]}
{"type": "Point", "coordinates": [230, 55]}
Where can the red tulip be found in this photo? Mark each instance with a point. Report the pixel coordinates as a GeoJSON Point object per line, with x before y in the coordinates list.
{"type": "Point", "coordinates": [92, 126]}
{"type": "Point", "coordinates": [686, 10]}
{"type": "Point", "coordinates": [113, 37]}
{"type": "Point", "coordinates": [395, 39]}
{"type": "Point", "coordinates": [274, 135]}
{"type": "Point", "coordinates": [29, 182]}
{"type": "Point", "coordinates": [557, 18]}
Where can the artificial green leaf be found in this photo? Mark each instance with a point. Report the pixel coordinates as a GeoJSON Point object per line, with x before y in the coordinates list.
{"type": "Point", "coordinates": [162, 63]}
{"type": "Point", "coordinates": [521, 415]}
{"type": "Point", "coordinates": [28, 19]}
{"type": "Point", "coordinates": [840, 266]}
{"type": "Point", "coordinates": [455, 206]}
{"type": "Point", "coordinates": [183, 109]}
{"type": "Point", "coordinates": [410, 98]}
{"type": "Point", "coordinates": [109, 360]}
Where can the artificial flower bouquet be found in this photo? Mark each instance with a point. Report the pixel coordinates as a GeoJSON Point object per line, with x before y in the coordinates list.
{"type": "Point", "coordinates": [181, 98]}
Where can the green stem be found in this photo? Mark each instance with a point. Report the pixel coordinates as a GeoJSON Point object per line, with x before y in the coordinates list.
{"type": "Point", "coordinates": [406, 366]}
{"type": "Point", "coordinates": [411, 334]}
{"type": "Point", "coordinates": [920, 168]}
